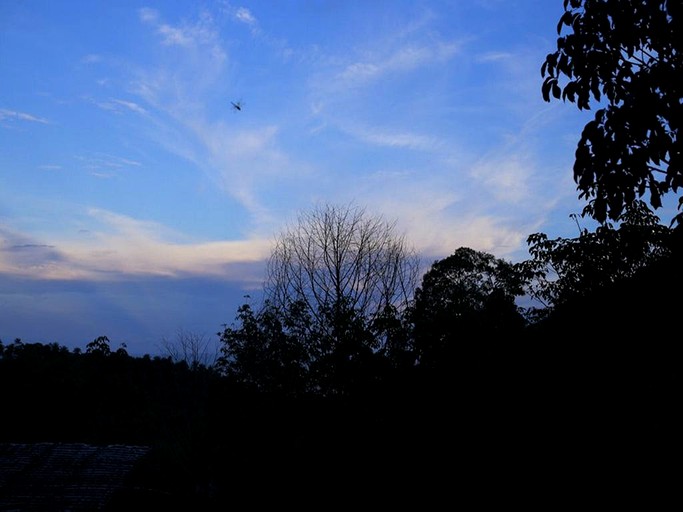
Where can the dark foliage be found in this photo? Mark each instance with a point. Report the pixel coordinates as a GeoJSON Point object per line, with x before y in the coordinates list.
{"type": "Point", "coordinates": [566, 269]}
{"type": "Point", "coordinates": [610, 366]}
{"type": "Point", "coordinates": [627, 56]}
{"type": "Point", "coordinates": [464, 307]}
{"type": "Point", "coordinates": [267, 351]}
{"type": "Point", "coordinates": [281, 351]}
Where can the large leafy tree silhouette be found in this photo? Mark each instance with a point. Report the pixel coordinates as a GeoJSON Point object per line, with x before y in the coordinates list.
{"type": "Point", "coordinates": [566, 269]}
{"type": "Point", "coordinates": [465, 302]}
{"type": "Point", "coordinates": [626, 56]}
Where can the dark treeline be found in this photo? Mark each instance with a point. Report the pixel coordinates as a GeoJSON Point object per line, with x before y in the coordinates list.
{"type": "Point", "coordinates": [471, 386]}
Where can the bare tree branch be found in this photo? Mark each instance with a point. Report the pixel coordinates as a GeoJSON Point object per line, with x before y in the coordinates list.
{"type": "Point", "coordinates": [339, 257]}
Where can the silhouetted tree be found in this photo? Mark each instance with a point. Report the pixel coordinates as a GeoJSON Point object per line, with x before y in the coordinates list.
{"type": "Point", "coordinates": [99, 346]}
{"type": "Point", "coordinates": [626, 55]}
{"type": "Point", "coordinates": [265, 350]}
{"type": "Point", "coordinates": [333, 281]}
{"type": "Point", "coordinates": [338, 259]}
{"type": "Point", "coordinates": [465, 302]}
{"type": "Point", "coordinates": [569, 268]}
{"type": "Point", "coordinates": [606, 356]}
{"type": "Point", "coordinates": [197, 350]}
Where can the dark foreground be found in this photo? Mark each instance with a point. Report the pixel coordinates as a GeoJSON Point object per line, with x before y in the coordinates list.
{"type": "Point", "coordinates": [529, 424]}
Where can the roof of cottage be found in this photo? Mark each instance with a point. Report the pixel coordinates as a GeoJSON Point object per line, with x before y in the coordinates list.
{"type": "Point", "coordinates": [63, 476]}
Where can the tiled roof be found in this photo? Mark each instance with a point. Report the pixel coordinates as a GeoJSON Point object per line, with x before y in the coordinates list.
{"type": "Point", "coordinates": [63, 476]}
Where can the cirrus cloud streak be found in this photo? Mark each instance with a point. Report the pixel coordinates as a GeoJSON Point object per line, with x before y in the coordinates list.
{"type": "Point", "coordinates": [121, 247]}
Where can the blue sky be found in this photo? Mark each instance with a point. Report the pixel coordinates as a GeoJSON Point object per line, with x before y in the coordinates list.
{"type": "Point", "coordinates": [135, 201]}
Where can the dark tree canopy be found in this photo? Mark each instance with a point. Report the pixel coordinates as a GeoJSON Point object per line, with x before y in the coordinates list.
{"type": "Point", "coordinates": [266, 350]}
{"type": "Point", "coordinates": [627, 56]}
{"type": "Point", "coordinates": [567, 269]}
{"type": "Point", "coordinates": [464, 299]}
{"type": "Point", "coordinates": [337, 285]}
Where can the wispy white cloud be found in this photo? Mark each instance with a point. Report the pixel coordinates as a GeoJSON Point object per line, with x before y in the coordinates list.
{"type": "Point", "coordinates": [148, 14]}
{"type": "Point", "coordinates": [394, 138]}
{"type": "Point", "coordinates": [13, 115]}
{"type": "Point", "coordinates": [430, 209]}
{"type": "Point", "coordinates": [243, 142]}
{"type": "Point", "coordinates": [507, 177]}
{"type": "Point", "coordinates": [495, 57]}
{"type": "Point", "coordinates": [246, 163]}
{"type": "Point", "coordinates": [194, 65]}
{"type": "Point", "coordinates": [181, 36]}
{"type": "Point", "coordinates": [244, 15]}
{"type": "Point", "coordinates": [102, 165]}
{"type": "Point", "coordinates": [202, 32]}
{"type": "Point", "coordinates": [485, 233]}
{"type": "Point", "coordinates": [118, 105]}
{"type": "Point", "coordinates": [91, 58]}
{"type": "Point", "coordinates": [402, 59]}
{"type": "Point", "coordinates": [246, 159]}
{"type": "Point", "coordinates": [118, 246]}
{"type": "Point", "coordinates": [96, 160]}
{"type": "Point", "coordinates": [238, 157]}
{"type": "Point", "coordinates": [173, 35]}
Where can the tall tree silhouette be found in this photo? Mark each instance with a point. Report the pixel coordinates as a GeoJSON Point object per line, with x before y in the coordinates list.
{"type": "Point", "coordinates": [626, 56]}
{"type": "Point", "coordinates": [333, 280]}
{"type": "Point", "coordinates": [464, 302]}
